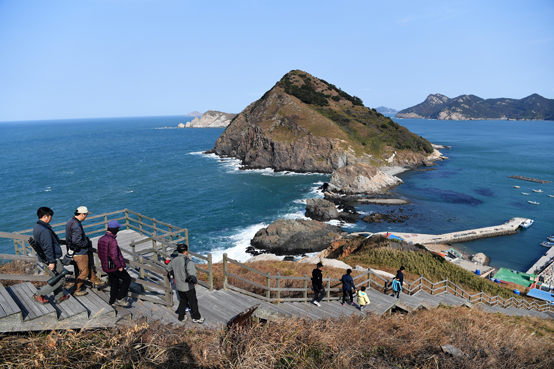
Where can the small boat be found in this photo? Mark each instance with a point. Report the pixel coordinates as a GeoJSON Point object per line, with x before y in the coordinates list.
{"type": "Point", "coordinates": [533, 202]}
{"type": "Point", "coordinates": [547, 244]}
{"type": "Point", "coordinates": [550, 238]}
{"type": "Point", "coordinates": [550, 195]}
{"type": "Point", "coordinates": [525, 193]}
{"type": "Point", "coordinates": [516, 186]}
{"type": "Point", "coordinates": [527, 223]}
{"type": "Point", "coordinates": [539, 191]}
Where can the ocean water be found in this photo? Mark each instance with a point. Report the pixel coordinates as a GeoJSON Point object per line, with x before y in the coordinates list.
{"type": "Point", "coordinates": [114, 163]}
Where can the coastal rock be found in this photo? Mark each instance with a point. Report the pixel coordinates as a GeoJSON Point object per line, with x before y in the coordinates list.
{"type": "Point", "coordinates": [481, 258]}
{"type": "Point", "coordinates": [181, 125]}
{"type": "Point", "coordinates": [295, 236]}
{"type": "Point", "coordinates": [322, 210]}
{"type": "Point", "coordinates": [361, 178]}
{"type": "Point", "coordinates": [211, 119]}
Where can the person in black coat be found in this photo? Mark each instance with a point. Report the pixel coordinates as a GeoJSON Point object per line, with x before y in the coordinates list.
{"type": "Point", "coordinates": [317, 285]}
{"type": "Point", "coordinates": [400, 275]}
{"type": "Point", "coordinates": [348, 287]}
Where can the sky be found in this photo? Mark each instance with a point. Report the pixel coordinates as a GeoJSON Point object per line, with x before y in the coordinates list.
{"type": "Point", "coordinates": [66, 59]}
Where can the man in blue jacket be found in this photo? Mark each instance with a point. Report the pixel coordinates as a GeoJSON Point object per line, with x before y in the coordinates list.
{"type": "Point", "coordinates": [83, 259]}
{"type": "Point", "coordinates": [348, 287]}
{"type": "Point", "coordinates": [49, 242]}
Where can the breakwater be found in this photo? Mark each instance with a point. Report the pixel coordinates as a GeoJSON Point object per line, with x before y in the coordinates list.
{"type": "Point", "coordinates": [530, 179]}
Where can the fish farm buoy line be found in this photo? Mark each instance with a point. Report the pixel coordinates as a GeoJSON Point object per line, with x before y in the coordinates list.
{"type": "Point", "coordinates": [530, 179]}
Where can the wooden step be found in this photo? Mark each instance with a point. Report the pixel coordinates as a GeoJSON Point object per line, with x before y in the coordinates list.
{"type": "Point", "coordinates": [451, 300]}
{"type": "Point", "coordinates": [431, 301]}
{"type": "Point", "coordinates": [35, 315]}
{"type": "Point", "coordinates": [100, 313]}
{"type": "Point", "coordinates": [10, 312]}
{"type": "Point", "coordinates": [379, 302]}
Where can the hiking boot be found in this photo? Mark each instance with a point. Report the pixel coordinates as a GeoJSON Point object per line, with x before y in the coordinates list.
{"type": "Point", "coordinates": [123, 303]}
{"type": "Point", "coordinates": [199, 321]}
{"type": "Point", "coordinates": [98, 284]}
{"type": "Point", "coordinates": [40, 299]}
{"type": "Point", "coordinates": [80, 293]}
{"type": "Point", "coordinates": [63, 298]}
{"type": "Point", "coordinates": [181, 319]}
{"type": "Point", "coordinates": [69, 285]}
{"type": "Point", "coordinates": [316, 303]}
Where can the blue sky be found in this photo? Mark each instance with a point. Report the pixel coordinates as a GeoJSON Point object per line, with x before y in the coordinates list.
{"type": "Point", "coordinates": [111, 58]}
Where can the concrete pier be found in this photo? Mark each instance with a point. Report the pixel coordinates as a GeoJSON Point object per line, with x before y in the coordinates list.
{"type": "Point", "coordinates": [509, 227]}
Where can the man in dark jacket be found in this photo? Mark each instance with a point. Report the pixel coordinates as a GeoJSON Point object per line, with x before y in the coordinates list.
{"type": "Point", "coordinates": [49, 242]}
{"type": "Point", "coordinates": [317, 284]}
{"type": "Point", "coordinates": [400, 275]}
{"type": "Point", "coordinates": [83, 259]}
{"type": "Point", "coordinates": [113, 264]}
{"type": "Point", "coordinates": [184, 272]}
{"type": "Point", "coordinates": [348, 287]}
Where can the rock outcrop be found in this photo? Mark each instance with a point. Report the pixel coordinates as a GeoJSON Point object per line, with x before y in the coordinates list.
{"type": "Point", "coordinates": [304, 124]}
{"type": "Point", "coordinates": [296, 236]}
{"type": "Point", "coordinates": [361, 178]}
{"type": "Point", "coordinates": [322, 210]}
{"type": "Point", "coordinates": [211, 119]}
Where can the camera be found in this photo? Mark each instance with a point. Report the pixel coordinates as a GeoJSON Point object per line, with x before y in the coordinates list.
{"type": "Point", "coordinates": [68, 258]}
{"type": "Point", "coordinates": [191, 279]}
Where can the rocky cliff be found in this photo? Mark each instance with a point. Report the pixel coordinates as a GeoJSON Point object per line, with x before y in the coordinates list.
{"type": "Point", "coordinates": [305, 124]}
{"type": "Point", "coordinates": [471, 107]}
{"type": "Point", "coordinates": [211, 119]}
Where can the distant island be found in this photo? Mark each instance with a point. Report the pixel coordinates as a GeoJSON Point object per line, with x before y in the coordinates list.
{"type": "Point", "coordinates": [471, 107]}
{"type": "Point", "coordinates": [210, 119]}
{"type": "Point", "coordinates": [385, 110]}
{"type": "Point", "coordinates": [194, 114]}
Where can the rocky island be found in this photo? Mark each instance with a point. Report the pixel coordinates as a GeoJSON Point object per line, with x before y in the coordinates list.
{"type": "Point", "coordinates": [471, 107]}
{"type": "Point", "coordinates": [211, 119]}
{"type": "Point", "coordinates": [305, 124]}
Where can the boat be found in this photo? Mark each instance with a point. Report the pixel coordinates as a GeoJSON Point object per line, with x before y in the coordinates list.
{"type": "Point", "coordinates": [547, 244]}
{"type": "Point", "coordinates": [550, 195]}
{"type": "Point", "coordinates": [533, 202]}
{"type": "Point", "coordinates": [537, 191]}
{"type": "Point", "coordinates": [550, 238]}
{"type": "Point", "coordinates": [525, 193]}
{"type": "Point", "coordinates": [527, 223]}
{"type": "Point", "coordinates": [516, 186]}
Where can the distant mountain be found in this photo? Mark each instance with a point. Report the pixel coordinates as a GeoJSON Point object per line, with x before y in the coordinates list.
{"type": "Point", "coordinates": [194, 114]}
{"type": "Point", "coordinates": [471, 107]}
{"type": "Point", "coordinates": [385, 110]}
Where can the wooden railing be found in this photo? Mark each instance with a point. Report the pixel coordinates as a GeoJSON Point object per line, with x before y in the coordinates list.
{"type": "Point", "coordinates": [152, 274]}
{"type": "Point", "coordinates": [274, 291]}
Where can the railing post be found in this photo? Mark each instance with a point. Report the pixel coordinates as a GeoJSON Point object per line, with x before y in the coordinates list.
{"type": "Point", "coordinates": [140, 224]}
{"type": "Point", "coordinates": [278, 285]}
{"type": "Point", "coordinates": [268, 285]}
{"type": "Point", "coordinates": [369, 278]}
{"type": "Point", "coordinates": [420, 281]}
{"type": "Point", "coordinates": [210, 272]}
{"type": "Point", "coordinates": [224, 272]}
{"type": "Point", "coordinates": [305, 287]}
{"type": "Point", "coordinates": [141, 269]}
{"type": "Point", "coordinates": [167, 283]}
{"type": "Point", "coordinates": [328, 288]}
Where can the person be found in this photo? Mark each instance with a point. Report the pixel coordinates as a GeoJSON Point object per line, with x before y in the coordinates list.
{"type": "Point", "coordinates": [83, 260]}
{"type": "Point", "coordinates": [184, 273]}
{"type": "Point", "coordinates": [396, 287]}
{"type": "Point", "coordinates": [113, 264]}
{"type": "Point", "coordinates": [317, 284]}
{"type": "Point", "coordinates": [363, 300]}
{"type": "Point", "coordinates": [348, 287]}
{"type": "Point", "coordinates": [48, 241]}
{"type": "Point", "coordinates": [400, 275]}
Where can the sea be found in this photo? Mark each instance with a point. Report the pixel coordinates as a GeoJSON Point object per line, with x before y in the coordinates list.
{"type": "Point", "coordinates": [149, 166]}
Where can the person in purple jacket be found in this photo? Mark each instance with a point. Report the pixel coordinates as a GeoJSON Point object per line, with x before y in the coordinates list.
{"type": "Point", "coordinates": [113, 263]}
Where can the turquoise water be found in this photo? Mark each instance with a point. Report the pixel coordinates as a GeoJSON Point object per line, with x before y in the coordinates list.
{"type": "Point", "coordinates": [115, 163]}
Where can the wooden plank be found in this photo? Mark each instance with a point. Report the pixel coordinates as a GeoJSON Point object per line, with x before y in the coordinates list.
{"type": "Point", "coordinates": [9, 306]}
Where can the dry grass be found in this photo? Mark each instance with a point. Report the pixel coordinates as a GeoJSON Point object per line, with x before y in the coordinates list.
{"type": "Point", "coordinates": [400, 341]}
